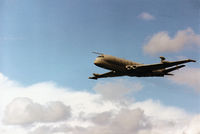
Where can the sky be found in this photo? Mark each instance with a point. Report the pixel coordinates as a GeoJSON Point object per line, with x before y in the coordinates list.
{"type": "Point", "coordinates": [46, 59]}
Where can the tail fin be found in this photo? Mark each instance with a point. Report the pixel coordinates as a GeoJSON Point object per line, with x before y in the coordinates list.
{"type": "Point", "coordinates": [162, 59]}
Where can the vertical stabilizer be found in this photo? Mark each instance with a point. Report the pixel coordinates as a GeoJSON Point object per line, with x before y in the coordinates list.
{"type": "Point", "coordinates": [162, 59]}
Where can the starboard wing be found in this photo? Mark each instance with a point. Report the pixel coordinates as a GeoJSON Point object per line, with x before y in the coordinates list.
{"type": "Point", "coordinates": [162, 65]}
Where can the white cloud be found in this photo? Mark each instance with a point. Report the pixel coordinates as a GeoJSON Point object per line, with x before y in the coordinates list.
{"type": "Point", "coordinates": [130, 120]}
{"type": "Point", "coordinates": [189, 77]}
{"type": "Point", "coordinates": [146, 16]}
{"type": "Point", "coordinates": [161, 42]}
{"type": "Point", "coordinates": [126, 121]}
{"type": "Point", "coordinates": [154, 108]}
{"type": "Point", "coordinates": [117, 89]}
{"type": "Point", "coordinates": [23, 111]}
{"type": "Point", "coordinates": [102, 118]}
{"type": "Point", "coordinates": [193, 126]}
{"type": "Point", "coordinates": [90, 113]}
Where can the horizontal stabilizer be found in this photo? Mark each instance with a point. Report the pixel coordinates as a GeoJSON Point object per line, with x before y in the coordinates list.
{"type": "Point", "coordinates": [173, 68]}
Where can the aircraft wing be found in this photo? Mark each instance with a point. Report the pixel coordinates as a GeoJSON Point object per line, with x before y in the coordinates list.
{"type": "Point", "coordinates": [108, 74]}
{"type": "Point", "coordinates": [162, 65]}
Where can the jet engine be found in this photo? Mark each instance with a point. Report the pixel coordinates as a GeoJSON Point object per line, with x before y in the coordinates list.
{"type": "Point", "coordinates": [130, 67]}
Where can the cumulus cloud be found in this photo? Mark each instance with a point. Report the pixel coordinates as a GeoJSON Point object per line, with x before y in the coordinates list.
{"type": "Point", "coordinates": [125, 121]}
{"type": "Point", "coordinates": [102, 118]}
{"type": "Point", "coordinates": [154, 108]}
{"type": "Point", "coordinates": [46, 107]}
{"type": "Point", "coordinates": [146, 16]}
{"type": "Point", "coordinates": [117, 89]}
{"type": "Point", "coordinates": [129, 120]}
{"type": "Point", "coordinates": [193, 126]}
{"type": "Point", "coordinates": [162, 42]}
{"type": "Point", "coordinates": [23, 111]}
{"type": "Point", "coordinates": [189, 77]}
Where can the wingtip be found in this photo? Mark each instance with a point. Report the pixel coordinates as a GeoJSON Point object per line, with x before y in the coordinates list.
{"type": "Point", "coordinates": [94, 78]}
{"type": "Point", "coordinates": [192, 60]}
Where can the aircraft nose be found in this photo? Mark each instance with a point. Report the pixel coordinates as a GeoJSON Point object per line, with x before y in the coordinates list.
{"type": "Point", "coordinates": [97, 61]}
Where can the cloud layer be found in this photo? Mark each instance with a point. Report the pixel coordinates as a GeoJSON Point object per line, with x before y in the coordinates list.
{"type": "Point", "coordinates": [45, 108]}
{"type": "Point", "coordinates": [162, 42]}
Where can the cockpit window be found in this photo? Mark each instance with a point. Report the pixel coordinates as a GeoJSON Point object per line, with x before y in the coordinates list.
{"type": "Point", "coordinates": [101, 56]}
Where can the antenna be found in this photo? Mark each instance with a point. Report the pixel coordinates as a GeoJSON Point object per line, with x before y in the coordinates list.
{"type": "Point", "coordinates": [97, 53]}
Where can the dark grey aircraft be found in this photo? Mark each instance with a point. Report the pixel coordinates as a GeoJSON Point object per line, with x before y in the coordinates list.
{"type": "Point", "coordinates": [122, 67]}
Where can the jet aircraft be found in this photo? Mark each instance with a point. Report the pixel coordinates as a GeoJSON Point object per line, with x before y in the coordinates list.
{"type": "Point", "coordinates": [122, 67]}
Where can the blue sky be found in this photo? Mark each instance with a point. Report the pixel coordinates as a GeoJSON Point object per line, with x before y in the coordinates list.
{"type": "Point", "coordinates": [53, 40]}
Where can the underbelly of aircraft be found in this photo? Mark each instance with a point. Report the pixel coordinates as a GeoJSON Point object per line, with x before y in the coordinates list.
{"type": "Point", "coordinates": [147, 74]}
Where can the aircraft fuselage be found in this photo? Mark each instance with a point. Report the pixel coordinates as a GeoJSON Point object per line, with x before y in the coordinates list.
{"type": "Point", "coordinates": [113, 63]}
{"type": "Point", "coordinates": [120, 66]}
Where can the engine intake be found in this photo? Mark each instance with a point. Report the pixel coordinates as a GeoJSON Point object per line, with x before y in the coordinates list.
{"type": "Point", "coordinates": [130, 67]}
